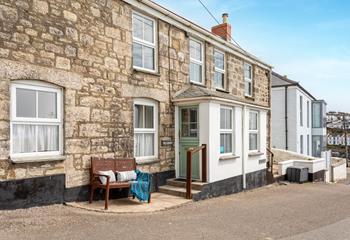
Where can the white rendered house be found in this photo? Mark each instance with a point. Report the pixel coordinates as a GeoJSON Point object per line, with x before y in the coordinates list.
{"type": "Point", "coordinates": [297, 118]}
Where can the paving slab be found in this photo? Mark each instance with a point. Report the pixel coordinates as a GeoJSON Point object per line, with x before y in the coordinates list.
{"type": "Point", "coordinates": [159, 202]}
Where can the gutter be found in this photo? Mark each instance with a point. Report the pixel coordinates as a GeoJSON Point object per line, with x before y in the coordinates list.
{"type": "Point", "coordinates": [286, 114]}
{"type": "Point", "coordinates": [194, 29]}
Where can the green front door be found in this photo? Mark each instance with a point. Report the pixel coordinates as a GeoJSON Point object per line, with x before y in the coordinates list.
{"type": "Point", "coordinates": [189, 138]}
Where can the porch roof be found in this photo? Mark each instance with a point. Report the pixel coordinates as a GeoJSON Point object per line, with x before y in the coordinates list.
{"type": "Point", "coordinates": [194, 91]}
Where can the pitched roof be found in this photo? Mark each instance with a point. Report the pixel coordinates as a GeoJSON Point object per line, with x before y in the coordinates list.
{"type": "Point", "coordinates": [194, 91]}
{"type": "Point", "coordinates": [278, 80]}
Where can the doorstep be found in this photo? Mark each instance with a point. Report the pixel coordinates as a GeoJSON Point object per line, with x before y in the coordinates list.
{"type": "Point", "coordinates": [159, 202]}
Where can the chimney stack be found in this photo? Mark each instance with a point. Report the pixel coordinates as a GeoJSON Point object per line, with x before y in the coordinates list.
{"type": "Point", "coordinates": [223, 30]}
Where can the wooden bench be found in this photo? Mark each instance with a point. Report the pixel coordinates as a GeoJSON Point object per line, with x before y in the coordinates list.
{"type": "Point", "coordinates": [105, 164]}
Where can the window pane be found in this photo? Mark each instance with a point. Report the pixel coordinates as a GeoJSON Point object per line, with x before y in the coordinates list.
{"type": "Point", "coordinates": [138, 118]}
{"type": "Point", "coordinates": [25, 103]}
{"type": "Point", "coordinates": [137, 55]}
{"type": "Point", "coordinates": [185, 130]}
{"type": "Point", "coordinates": [185, 115]}
{"type": "Point", "coordinates": [316, 115]}
{"type": "Point", "coordinates": [253, 121]}
{"type": "Point", "coordinates": [248, 88]}
{"type": "Point", "coordinates": [219, 60]}
{"type": "Point", "coordinates": [148, 54]}
{"type": "Point", "coordinates": [195, 72]}
{"type": "Point", "coordinates": [193, 130]}
{"type": "Point", "coordinates": [225, 118]}
{"type": "Point", "coordinates": [138, 145]}
{"type": "Point", "coordinates": [193, 115]}
{"type": "Point", "coordinates": [48, 138]}
{"type": "Point", "coordinates": [149, 117]}
{"type": "Point", "coordinates": [225, 143]}
{"type": "Point", "coordinates": [23, 138]}
{"type": "Point", "coordinates": [195, 50]}
{"type": "Point", "coordinates": [149, 144]}
{"type": "Point", "coordinates": [137, 27]}
{"type": "Point", "coordinates": [247, 71]}
{"type": "Point", "coordinates": [148, 30]}
{"type": "Point", "coordinates": [219, 80]}
{"type": "Point", "coordinates": [253, 141]}
{"type": "Point", "coordinates": [47, 105]}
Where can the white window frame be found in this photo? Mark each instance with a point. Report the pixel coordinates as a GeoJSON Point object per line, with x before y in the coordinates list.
{"type": "Point", "coordinates": [248, 80]}
{"type": "Point", "coordinates": [255, 131]}
{"type": "Point", "coordinates": [301, 139]}
{"type": "Point", "coordinates": [223, 131]}
{"type": "Point", "coordinates": [201, 62]}
{"type": "Point", "coordinates": [146, 43]}
{"type": "Point", "coordinates": [219, 70]}
{"type": "Point", "coordinates": [58, 121]}
{"type": "Point", "coordinates": [154, 130]}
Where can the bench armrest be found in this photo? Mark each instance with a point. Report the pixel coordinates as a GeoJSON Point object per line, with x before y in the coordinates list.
{"type": "Point", "coordinates": [95, 177]}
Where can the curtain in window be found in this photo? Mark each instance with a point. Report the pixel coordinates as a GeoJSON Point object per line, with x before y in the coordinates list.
{"type": "Point", "coordinates": [144, 145]}
{"type": "Point", "coordinates": [23, 138]}
{"type": "Point", "coordinates": [47, 138]}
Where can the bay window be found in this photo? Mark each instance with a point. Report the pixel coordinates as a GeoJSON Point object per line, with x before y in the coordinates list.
{"type": "Point", "coordinates": [36, 124]}
{"type": "Point", "coordinates": [196, 62]}
{"type": "Point", "coordinates": [145, 129]}
{"type": "Point", "coordinates": [253, 131]}
{"type": "Point", "coordinates": [226, 130]}
{"type": "Point", "coordinates": [248, 79]}
{"type": "Point", "coordinates": [219, 78]}
{"type": "Point", "coordinates": [144, 42]}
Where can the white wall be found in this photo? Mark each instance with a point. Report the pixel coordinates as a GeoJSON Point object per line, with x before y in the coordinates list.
{"type": "Point", "coordinates": [220, 168]}
{"type": "Point", "coordinates": [293, 114]}
{"type": "Point", "coordinates": [278, 133]}
{"type": "Point", "coordinates": [304, 130]}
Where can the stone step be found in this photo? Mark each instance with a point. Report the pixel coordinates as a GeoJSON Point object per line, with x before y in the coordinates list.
{"type": "Point", "coordinates": [182, 183]}
{"type": "Point", "coordinates": [175, 191]}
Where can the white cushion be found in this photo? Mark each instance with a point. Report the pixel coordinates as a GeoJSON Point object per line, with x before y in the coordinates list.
{"type": "Point", "coordinates": [109, 173]}
{"type": "Point", "coordinates": [126, 176]}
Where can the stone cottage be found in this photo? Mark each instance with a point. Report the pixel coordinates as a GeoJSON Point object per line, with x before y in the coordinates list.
{"type": "Point", "coordinates": [129, 78]}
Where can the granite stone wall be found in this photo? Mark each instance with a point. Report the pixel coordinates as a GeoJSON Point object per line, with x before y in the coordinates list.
{"type": "Point", "coordinates": [85, 47]}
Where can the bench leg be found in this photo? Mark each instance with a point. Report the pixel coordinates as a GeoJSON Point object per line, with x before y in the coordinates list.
{"type": "Point", "coordinates": [106, 198]}
{"type": "Point", "coordinates": [91, 193]}
{"type": "Point", "coordinates": [149, 199]}
{"type": "Point", "coordinates": [133, 196]}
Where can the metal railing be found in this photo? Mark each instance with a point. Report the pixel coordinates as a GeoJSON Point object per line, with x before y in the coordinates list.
{"type": "Point", "coordinates": [190, 153]}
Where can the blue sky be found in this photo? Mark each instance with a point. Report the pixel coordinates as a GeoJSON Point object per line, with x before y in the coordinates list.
{"type": "Point", "coordinates": [307, 40]}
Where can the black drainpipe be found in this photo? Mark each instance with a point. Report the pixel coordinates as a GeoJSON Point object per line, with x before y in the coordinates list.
{"type": "Point", "coordinates": [286, 113]}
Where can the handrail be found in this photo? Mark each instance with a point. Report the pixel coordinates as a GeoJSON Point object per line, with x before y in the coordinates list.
{"type": "Point", "coordinates": [190, 152]}
{"type": "Point", "coordinates": [271, 160]}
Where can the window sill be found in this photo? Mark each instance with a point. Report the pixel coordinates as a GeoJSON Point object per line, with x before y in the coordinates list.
{"type": "Point", "coordinates": [147, 161]}
{"type": "Point", "coordinates": [137, 70]}
{"type": "Point", "coordinates": [249, 97]}
{"type": "Point", "coordinates": [222, 90]}
{"type": "Point", "coordinates": [37, 159]}
{"type": "Point", "coordinates": [197, 84]}
{"type": "Point", "coordinates": [252, 154]}
{"type": "Point", "coordinates": [228, 157]}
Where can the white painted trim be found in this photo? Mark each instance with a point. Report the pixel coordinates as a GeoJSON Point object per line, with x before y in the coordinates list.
{"type": "Point", "coordinates": [219, 70]}
{"type": "Point", "coordinates": [182, 23]}
{"type": "Point", "coordinates": [254, 131]}
{"type": "Point", "coordinates": [230, 131]}
{"type": "Point", "coordinates": [195, 61]}
{"type": "Point", "coordinates": [147, 102]}
{"type": "Point", "coordinates": [248, 80]}
{"type": "Point", "coordinates": [185, 101]}
{"type": "Point", "coordinates": [145, 43]}
{"type": "Point", "coordinates": [58, 121]}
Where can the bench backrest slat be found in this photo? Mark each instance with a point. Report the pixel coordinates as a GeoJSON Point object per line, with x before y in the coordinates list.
{"type": "Point", "coordinates": [114, 164]}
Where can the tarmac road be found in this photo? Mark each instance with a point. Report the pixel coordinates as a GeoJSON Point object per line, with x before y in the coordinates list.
{"type": "Point", "coordinates": [307, 211]}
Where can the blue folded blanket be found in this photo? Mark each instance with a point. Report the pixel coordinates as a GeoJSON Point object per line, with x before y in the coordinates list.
{"type": "Point", "coordinates": [141, 188]}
